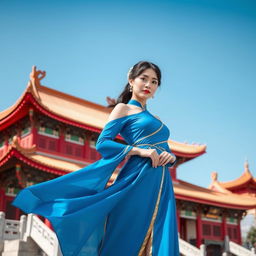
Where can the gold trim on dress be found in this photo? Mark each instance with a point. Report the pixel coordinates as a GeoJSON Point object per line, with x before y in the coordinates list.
{"type": "Point", "coordinates": [147, 245]}
{"type": "Point", "coordinates": [146, 248]}
{"type": "Point", "coordinates": [103, 237]}
{"type": "Point", "coordinates": [149, 134]}
{"type": "Point", "coordinates": [146, 144]}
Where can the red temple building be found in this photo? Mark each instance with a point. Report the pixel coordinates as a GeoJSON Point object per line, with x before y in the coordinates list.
{"type": "Point", "coordinates": [244, 185]}
{"type": "Point", "coordinates": [48, 133]}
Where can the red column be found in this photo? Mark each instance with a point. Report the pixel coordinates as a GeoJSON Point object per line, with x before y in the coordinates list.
{"type": "Point", "coordinates": [178, 219]}
{"type": "Point", "coordinates": [34, 133]}
{"type": "Point", "coordinates": [199, 233]}
{"type": "Point", "coordinates": [2, 197]}
{"type": "Point", "coordinates": [88, 149]}
{"type": "Point", "coordinates": [86, 146]}
{"type": "Point", "coordinates": [61, 143]}
{"type": "Point", "coordinates": [239, 240]}
{"type": "Point", "coordinates": [33, 126]}
{"type": "Point", "coordinates": [173, 173]}
{"type": "Point", "coordinates": [224, 225]}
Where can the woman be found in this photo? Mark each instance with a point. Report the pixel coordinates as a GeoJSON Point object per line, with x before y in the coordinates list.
{"type": "Point", "coordinates": [136, 215]}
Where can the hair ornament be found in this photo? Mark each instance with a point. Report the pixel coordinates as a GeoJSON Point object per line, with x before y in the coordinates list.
{"type": "Point", "coordinates": [129, 72]}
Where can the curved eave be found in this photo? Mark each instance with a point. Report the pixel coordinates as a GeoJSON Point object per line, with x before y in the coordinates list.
{"type": "Point", "coordinates": [191, 192]}
{"type": "Point", "coordinates": [28, 98]}
{"type": "Point", "coordinates": [7, 112]}
{"type": "Point", "coordinates": [215, 186]}
{"type": "Point", "coordinates": [186, 155]}
{"type": "Point", "coordinates": [243, 181]}
{"type": "Point", "coordinates": [14, 153]}
{"type": "Point", "coordinates": [187, 150]}
{"type": "Point", "coordinates": [21, 110]}
{"type": "Point", "coordinates": [214, 203]}
{"type": "Point", "coordinates": [16, 112]}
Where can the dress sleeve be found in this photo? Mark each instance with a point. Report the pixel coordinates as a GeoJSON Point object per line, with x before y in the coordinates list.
{"type": "Point", "coordinates": [106, 145]}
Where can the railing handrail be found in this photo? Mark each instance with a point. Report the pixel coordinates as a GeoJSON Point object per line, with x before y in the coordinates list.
{"type": "Point", "coordinates": [239, 250]}
{"type": "Point", "coordinates": [188, 249]}
{"type": "Point", "coordinates": [45, 238]}
{"type": "Point", "coordinates": [30, 226]}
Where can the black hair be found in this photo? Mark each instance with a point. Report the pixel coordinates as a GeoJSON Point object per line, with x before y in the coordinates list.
{"type": "Point", "coordinates": [134, 72]}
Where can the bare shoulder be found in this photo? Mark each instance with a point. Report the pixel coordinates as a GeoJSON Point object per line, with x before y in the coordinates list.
{"type": "Point", "coordinates": [118, 111]}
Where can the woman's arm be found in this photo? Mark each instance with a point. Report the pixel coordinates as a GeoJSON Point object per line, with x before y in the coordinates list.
{"type": "Point", "coordinates": [105, 144]}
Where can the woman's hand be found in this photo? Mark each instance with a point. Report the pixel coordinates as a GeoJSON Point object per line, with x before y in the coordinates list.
{"type": "Point", "coordinates": [157, 160]}
{"type": "Point", "coordinates": [165, 158]}
{"type": "Point", "coordinates": [152, 153]}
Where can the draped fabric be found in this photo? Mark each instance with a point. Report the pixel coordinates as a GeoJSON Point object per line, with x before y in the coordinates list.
{"type": "Point", "coordinates": [136, 215]}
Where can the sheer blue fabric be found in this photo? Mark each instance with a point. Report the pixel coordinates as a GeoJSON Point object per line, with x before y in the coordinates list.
{"type": "Point", "coordinates": [136, 215]}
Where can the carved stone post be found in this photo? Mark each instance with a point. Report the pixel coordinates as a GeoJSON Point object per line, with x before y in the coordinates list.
{"type": "Point", "coordinates": [23, 224]}
{"type": "Point", "coordinates": [226, 244]}
{"type": "Point", "coordinates": [2, 225]}
{"type": "Point", "coordinates": [202, 250]}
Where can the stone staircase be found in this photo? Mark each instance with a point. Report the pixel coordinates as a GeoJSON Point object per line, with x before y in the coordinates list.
{"type": "Point", "coordinates": [187, 249]}
{"type": "Point", "coordinates": [29, 236]}
{"type": "Point", "coordinates": [231, 249]}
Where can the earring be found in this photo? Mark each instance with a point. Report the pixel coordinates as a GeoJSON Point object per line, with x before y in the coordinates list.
{"type": "Point", "coordinates": [130, 88]}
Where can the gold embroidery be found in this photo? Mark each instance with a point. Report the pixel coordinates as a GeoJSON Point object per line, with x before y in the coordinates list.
{"type": "Point", "coordinates": [143, 249]}
{"type": "Point", "coordinates": [147, 246]}
{"type": "Point", "coordinates": [146, 144]}
{"type": "Point", "coordinates": [160, 142]}
{"type": "Point", "coordinates": [149, 134]}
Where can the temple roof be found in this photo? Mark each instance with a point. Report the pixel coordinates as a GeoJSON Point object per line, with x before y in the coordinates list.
{"type": "Point", "coordinates": [244, 181]}
{"type": "Point", "coordinates": [183, 190]}
{"type": "Point", "coordinates": [31, 157]}
{"type": "Point", "coordinates": [190, 192]}
{"type": "Point", "coordinates": [75, 111]}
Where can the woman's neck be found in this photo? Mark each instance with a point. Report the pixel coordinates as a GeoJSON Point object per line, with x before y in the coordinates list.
{"type": "Point", "coordinates": [142, 102]}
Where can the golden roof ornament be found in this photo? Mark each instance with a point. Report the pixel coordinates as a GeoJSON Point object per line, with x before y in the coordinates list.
{"type": "Point", "coordinates": [214, 176]}
{"type": "Point", "coordinates": [246, 166]}
{"type": "Point", "coordinates": [35, 77]}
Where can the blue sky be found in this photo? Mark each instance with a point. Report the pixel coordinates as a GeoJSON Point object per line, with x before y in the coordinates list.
{"type": "Point", "coordinates": [205, 49]}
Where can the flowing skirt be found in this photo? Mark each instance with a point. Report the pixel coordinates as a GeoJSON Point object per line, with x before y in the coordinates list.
{"type": "Point", "coordinates": [134, 216]}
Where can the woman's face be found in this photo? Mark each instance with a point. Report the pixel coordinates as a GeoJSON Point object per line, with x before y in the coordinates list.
{"type": "Point", "coordinates": [145, 85]}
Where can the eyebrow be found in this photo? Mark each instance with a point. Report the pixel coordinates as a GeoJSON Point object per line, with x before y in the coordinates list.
{"type": "Point", "coordinates": [153, 77]}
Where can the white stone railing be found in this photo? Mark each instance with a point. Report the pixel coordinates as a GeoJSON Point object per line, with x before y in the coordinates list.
{"type": "Point", "coordinates": [42, 235]}
{"type": "Point", "coordinates": [46, 239]}
{"type": "Point", "coordinates": [30, 226]}
{"type": "Point", "coordinates": [236, 249]}
{"type": "Point", "coordinates": [187, 249]}
{"type": "Point", "coordinates": [11, 229]}
{"type": "Point", "coordinates": [239, 250]}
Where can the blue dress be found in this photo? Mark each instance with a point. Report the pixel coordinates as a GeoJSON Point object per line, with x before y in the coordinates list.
{"type": "Point", "coordinates": [134, 216]}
